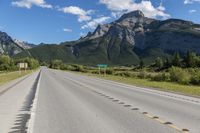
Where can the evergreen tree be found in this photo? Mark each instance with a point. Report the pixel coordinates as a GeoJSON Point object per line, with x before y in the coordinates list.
{"type": "Point", "coordinates": [167, 63]}
{"type": "Point", "coordinates": [176, 61]}
{"type": "Point", "coordinates": [159, 63]}
{"type": "Point", "coordinates": [191, 59]}
{"type": "Point", "coordinates": [141, 64]}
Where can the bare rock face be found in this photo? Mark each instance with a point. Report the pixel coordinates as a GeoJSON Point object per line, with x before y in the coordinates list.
{"type": "Point", "coordinates": [8, 46]}
{"type": "Point", "coordinates": [100, 31]}
{"type": "Point", "coordinates": [24, 45]}
{"type": "Point", "coordinates": [11, 46]}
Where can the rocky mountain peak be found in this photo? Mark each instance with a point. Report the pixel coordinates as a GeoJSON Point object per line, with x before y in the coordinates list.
{"type": "Point", "coordinates": [24, 45]}
{"type": "Point", "coordinates": [125, 27]}
{"type": "Point", "coordinates": [4, 37]}
{"type": "Point", "coordinates": [99, 31]}
{"type": "Point", "coordinates": [134, 14]}
{"type": "Point", "coordinates": [7, 45]}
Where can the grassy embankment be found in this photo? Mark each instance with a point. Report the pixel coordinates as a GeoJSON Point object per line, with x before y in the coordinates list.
{"type": "Point", "coordinates": [173, 79]}
{"type": "Point", "coordinates": [164, 86]}
{"type": "Point", "coordinates": [190, 90]}
{"type": "Point", "coordinates": [8, 76]}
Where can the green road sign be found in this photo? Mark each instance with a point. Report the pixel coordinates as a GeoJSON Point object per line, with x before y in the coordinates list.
{"type": "Point", "coordinates": [102, 65]}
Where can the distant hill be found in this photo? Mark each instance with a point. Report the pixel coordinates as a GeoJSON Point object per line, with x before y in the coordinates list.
{"type": "Point", "coordinates": [126, 41]}
{"type": "Point", "coordinates": [11, 46]}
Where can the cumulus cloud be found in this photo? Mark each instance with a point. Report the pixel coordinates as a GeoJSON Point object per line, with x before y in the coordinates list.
{"type": "Point", "coordinates": [192, 11]}
{"type": "Point", "coordinates": [82, 14]}
{"type": "Point", "coordinates": [67, 30]}
{"type": "Point", "coordinates": [93, 23]}
{"type": "Point", "coordinates": [29, 3]}
{"type": "Point", "coordinates": [190, 1]}
{"type": "Point", "coordinates": [82, 34]}
{"type": "Point", "coordinates": [121, 6]}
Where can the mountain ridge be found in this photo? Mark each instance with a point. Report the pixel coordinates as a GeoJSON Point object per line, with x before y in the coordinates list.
{"type": "Point", "coordinates": [128, 40]}
{"type": "Point", "coordinates": [10, 46]}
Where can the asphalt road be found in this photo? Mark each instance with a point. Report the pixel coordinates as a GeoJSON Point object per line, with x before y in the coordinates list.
{"type": "Point", "coordinates": [63, 102]}
{"type": "Point", "coordinates": [14, 104]}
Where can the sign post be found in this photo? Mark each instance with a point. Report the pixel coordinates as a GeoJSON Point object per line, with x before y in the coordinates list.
{"type": "Point", "coordinates": [104, 66]}
{"type": "Point", "coordinates": [22, 66]}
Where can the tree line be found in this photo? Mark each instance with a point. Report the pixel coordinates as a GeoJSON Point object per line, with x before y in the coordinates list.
{"type": "Point", "coordinates": [9, 64]}
{"type": "Point", "coordinates": [183, 70]}
{"type": "Point", "coordinates": [190, 60]}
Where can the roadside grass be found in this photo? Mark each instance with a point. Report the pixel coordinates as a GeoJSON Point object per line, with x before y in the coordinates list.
{"type": "Point", "coordinates": [190, 90]}
{"type": "Point", "coordinates": [8, 76]}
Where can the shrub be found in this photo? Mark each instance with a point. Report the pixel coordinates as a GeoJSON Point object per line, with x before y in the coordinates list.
{"type": "Point", "coordinates": [79, 68]}
{"type": "Point", "coordinates": [56, 64]}
{"type": "Point", "coordinates": [110, 71]}
{"type": "Point", "coordinates": [161, 77]}
{"type": "Point", "coordinates": [149, 76]}
{"type": "Point", "coordinates": [142, 75]}
{"type": "Point", "coordinates": [195, 78]}
{"type": "Point", "coordinates": [127, 74]}
{"type": "Point", "coordinates": [64, 67]}
{"type": "Point", "coordinates": [179, 75]}
{"type": "Point", "coordinates": [6, 63]}
{"type": "Point", "coordinates": [119, 74]}
{"type": "Point", "coordinates": [124, 74]}
{"type": "Point", "coordinates": [95, 72]}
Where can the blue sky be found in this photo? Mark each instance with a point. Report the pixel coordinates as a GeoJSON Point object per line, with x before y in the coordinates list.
{"type": "Point", "coordinates": [55, 21]}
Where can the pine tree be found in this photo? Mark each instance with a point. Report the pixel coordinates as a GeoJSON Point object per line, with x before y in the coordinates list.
{"type": "Point", "coordinates": [191, 59]}
{"type": "Point", "coordinates": [176, 61]}
{"type": "Point", "coordinates": [141, 64]}
{"type": "Point", "coordinates": [167, 63]}
{"type": "Point", "coordinates": [159, 62]}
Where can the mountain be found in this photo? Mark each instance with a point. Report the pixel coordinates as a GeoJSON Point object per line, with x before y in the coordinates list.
{"type": "Point", "coordinates": [11, 46]}
{"type": "Point", "coordinates": [8, 46]}
{"type": "Point", "coordinates": [126, 41]}
{"type": "Point", "coordinates": [24, 45]}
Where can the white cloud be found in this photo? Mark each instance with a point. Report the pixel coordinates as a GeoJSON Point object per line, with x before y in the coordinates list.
{"type": "Point", "coordinates": [190, 1]}
{"type": "Point", "coordinates": [67, 30]}
{"type": "Point", "coordinates": [29, 3]}
{"type": "Point", "coordinates": [93, 23]}
{"type": "Point", "coordinates": [82, 14]}
{"type": "Point", "coordinates": [122, 6]}
{"type": "Point", "coordinates": [117, 14]}
{"type": "Point", "coordinates": [192, 11]}
{"type": "Point", "coordinates": [82, 34]}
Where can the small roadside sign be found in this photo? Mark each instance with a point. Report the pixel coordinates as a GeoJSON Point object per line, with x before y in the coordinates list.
{"type": "Point", "coordinates": [104, 66]}
{"type": "Point", "coordinates": [22, 66]}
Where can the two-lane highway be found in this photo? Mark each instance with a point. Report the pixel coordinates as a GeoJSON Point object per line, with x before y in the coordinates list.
{"type": "Point", "coordinates": [74, 103]}
{"type": "Point", "coordinates": [71, 103]}
{"type": "Point", "coordinates": [67, 106]}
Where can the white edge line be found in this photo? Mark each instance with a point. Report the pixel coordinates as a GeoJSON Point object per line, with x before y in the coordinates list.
{"type": "Point", "coordinates": [33, 109]}
{"type": "Point", "coordinates": [153, 91]}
